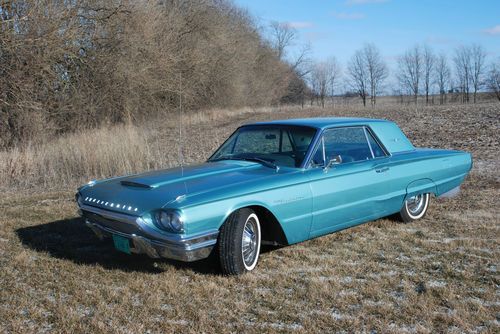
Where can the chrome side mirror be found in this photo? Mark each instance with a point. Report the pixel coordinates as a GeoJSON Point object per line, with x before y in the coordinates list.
{"type": "Point", "coordinates": [335, 160]}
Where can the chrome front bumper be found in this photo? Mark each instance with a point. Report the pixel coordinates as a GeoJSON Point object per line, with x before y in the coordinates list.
{"type": "Point", "coordinates": [171, 247]}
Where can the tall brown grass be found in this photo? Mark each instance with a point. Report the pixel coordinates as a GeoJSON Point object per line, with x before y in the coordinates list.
{"type": "Point", "coordinates": [100, 152]}
{"type": "Point", "coordinates": [129, 148]}
{"type": "Point", "coordinates": [112, 150]}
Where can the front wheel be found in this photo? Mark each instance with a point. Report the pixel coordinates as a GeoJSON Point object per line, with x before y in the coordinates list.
{"type": "Point", "coordinates": [414, 208]}
{"type": "Point", "coordinates": [239, 242]}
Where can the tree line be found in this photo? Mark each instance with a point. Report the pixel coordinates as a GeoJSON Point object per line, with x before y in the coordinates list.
{"type": "Point", "coordinates": [66, 65]}
{"type": "Point", "coordinates": [419, 72]}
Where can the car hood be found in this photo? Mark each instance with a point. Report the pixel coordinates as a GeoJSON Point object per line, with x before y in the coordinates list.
{"type": "Point", "coordinates": [140, 193]}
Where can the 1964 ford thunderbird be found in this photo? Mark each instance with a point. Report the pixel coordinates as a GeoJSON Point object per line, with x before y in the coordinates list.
{"type": "Point", "coordinates": [280, 183]}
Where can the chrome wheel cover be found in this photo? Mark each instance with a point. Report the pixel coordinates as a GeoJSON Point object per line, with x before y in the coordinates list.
{"type": "Point", "coordinates": [250, 242]}
{"type": "Point", "coordinates": [416, 204]}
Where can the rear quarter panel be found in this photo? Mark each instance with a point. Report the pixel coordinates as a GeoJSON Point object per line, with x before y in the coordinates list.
{"type": "Point", "coordinates": [417, 170]}
{"type": "Point", "coordinates": [425, 171]}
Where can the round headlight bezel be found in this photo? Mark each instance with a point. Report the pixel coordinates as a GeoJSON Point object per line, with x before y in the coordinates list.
{"type": "Point", "coordinates": [169, 220]}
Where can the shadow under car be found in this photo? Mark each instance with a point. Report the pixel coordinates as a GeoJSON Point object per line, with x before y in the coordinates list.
{"type": "Point", "coordinates": [70, 239]}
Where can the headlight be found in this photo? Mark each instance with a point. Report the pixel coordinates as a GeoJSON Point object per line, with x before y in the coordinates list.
{"type": "Point", "coordinates": [78, 198]}
{"type": "Point", "coordinates": [170, 220]}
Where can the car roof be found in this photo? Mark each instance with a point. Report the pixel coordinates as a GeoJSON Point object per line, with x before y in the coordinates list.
{"type": "Point", "coordinates": [322, 122]}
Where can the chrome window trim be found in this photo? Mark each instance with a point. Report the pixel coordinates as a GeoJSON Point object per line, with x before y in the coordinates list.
{"type": "Point", "coordinates": [308, 165]}
{"type": "Point", "coordinates": [372, 133]}
{"type": "Point", "coordinates": [312, 149]}
{"type": "Point", "coordinates": [368, 141]}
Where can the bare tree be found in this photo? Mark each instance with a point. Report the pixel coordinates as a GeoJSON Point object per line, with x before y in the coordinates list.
{"type": "Point", "coordinates": [301, 61]}
{"type": "Point", "coordinates": [376, 70]}
{"type": "Point", "coordinates": [493, 80]}
{"type": "Point", "coordinates": [478, 56]}
{"type": "Point", "coordinates": [334, 73]}
{"type": "Point", "coordinates": [320, 81]}
{"type": "Point", "coordinates": [428, 60]}
{"type": "Point", "coordinates": [462, 60]}
{"type": "Point", "coordinates": [410, 69]}
{"type": "Point", "coordinates": [442, 73]}
{"type": "Point", "coordinates": [367, 72]}
{"type": "Point", "coordinates": [324, 78]}
{"type": "Point", "coordinates": [358, 75]}
{"type": "Point", "coordinates": [282, 36]}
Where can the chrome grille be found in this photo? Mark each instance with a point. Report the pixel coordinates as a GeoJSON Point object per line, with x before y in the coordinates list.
{"type": "Point", "coordinates": [112, 224]}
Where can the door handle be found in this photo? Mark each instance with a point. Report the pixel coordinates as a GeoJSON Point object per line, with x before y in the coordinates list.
{"type": "Point", "coordinates": [382, 170]}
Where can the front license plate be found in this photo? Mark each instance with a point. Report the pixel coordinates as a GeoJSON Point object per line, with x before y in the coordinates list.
{"type": "Point", "coordinates": [121, 243]}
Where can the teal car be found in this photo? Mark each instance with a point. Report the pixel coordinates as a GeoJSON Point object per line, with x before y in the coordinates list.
{"type": "Point", "coordinates": [278, 183]}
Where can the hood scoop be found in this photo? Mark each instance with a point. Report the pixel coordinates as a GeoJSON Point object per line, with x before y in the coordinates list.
{"type": "Point", "coordinates": [135, 184]}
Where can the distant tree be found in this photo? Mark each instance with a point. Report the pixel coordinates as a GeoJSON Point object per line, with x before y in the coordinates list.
{"type": "Point", "coordinates": [324, 78]}
{"type": "Point", "coordinates": [367, 72]}
{"type": "Point", "coordinates": [358, 75]}
{"type": "Point", "coordinates": [442, 74]}
{"type": "Point", "coordinates": [478, 56]}
{"type": "Point", "coordinates": [462, 60]}
{"type": "Point", "coordinates": [410, 70]}
{"type": "Point", "coordinates": [334, 73]}
{"type": "Point", "coordinates": [319, 79]}
{"type": "Point", "coordinates": [493, 80]}
{"type": "Point", "coordinates": [301, 62]}
{"type": "Point", "coordinates": [428, 63]}
{"type": "Point", "coordinates": [282, 36]}
{"type": "Point", "coordinates": [376, 70]}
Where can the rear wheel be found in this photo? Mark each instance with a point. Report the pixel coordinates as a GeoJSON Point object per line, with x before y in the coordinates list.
{"type": "Point", "coordinates": [414, 207]}
{"type": "Point", "coordinates": [239, 242]}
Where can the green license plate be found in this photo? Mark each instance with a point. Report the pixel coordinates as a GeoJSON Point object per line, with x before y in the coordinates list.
{"type": "Point", "coordinates": [121, 243]}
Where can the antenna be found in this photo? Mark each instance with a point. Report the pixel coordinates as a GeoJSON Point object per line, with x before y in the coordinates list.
{"type": "Point", "coordinates": [181, 158]}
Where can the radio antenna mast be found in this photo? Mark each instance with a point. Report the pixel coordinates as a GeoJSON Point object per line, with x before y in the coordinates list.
{"type": "Point", "coordinates": [181, 158]}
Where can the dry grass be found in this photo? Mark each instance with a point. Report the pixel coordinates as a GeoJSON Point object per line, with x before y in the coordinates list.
{"type": "Point", "coordinates": [436, 275]}
{"type": "Point", "coordinates": [116, 150]}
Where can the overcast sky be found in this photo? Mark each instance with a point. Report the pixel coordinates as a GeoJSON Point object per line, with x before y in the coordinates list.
{"type": "Point", "coordinates": [339, 27]}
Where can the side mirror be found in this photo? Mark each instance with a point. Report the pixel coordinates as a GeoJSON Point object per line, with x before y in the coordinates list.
{"type": "Point", "coordinates": [335, 160]}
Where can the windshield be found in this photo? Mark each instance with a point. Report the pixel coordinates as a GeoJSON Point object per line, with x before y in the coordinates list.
{"type": "Point", "coordinates": [279, 145]}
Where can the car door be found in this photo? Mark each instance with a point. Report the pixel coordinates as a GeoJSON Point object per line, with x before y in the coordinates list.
{"type": "Point", "coordinates": [347, 193]}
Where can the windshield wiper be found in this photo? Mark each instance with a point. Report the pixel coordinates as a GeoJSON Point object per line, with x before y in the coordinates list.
{"type": "Point", "coordinates": [264, 162]}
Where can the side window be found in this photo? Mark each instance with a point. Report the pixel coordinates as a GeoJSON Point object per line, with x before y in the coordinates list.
{"type": "Point", "coordinates": [349, 143]}
{"type": "Point", "coordinates": [377, 149]}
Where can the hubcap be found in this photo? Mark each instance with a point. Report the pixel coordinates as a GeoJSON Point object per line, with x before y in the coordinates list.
{"type": "Point", "coordinates": [415, 204]}
{"type": "Point", "coordinates": [249, 242]}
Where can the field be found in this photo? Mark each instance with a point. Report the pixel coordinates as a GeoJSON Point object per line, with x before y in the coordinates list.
{"type": "Point", "coordinates": [436, 275]}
